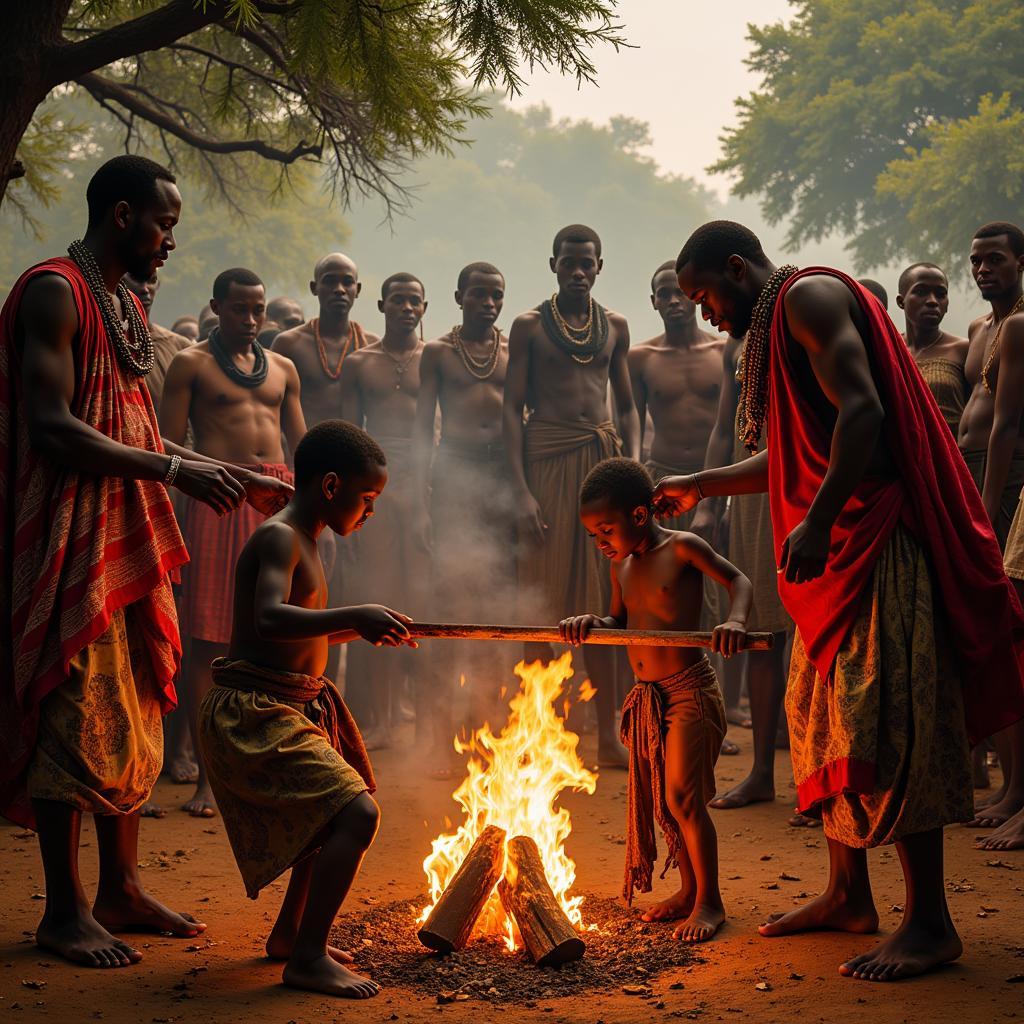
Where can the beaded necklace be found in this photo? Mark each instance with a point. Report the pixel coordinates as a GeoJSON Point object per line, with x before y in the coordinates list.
{"type": "Point", "coordinates": [488, 364]}
{"type": "Point", "coordinates": [580, 343]}
{"type": "Point", "coordinates": [230, 367]}
{"type": "Point", "coordinates": [1017, 307]}
{"type": "Point", "coordinates": [754, 383]}
{"type": "Point", "coordinates": [354, 331]}
{"type": "Point", "coordinates": [130, 338]}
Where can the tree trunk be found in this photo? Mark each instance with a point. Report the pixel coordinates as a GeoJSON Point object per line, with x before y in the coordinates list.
{"type": "Point", "coordinates": [31, 31]}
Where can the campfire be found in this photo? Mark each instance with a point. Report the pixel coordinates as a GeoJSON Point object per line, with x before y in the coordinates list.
{"type": "Point", "coordinates": [504, 871]}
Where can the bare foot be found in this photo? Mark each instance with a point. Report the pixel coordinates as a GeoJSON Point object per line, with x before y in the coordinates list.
{"type": "Point", "coordinates": [378, 739]}
{"type": "Point", "coordinates": [990, 798]}
{"type": "Point", "coordinates": [202, 804]}
{"type": "Point", "coordinates": [736, 716]}
{"type": "Point", "coordinates": [803, 821]}
{"type": "Point", "coordinates": [83, 940]}
{"type": "Point", "coordinates": [137, 911]}
{"type": "Point", "coordinates": [909, 951]}
{"type": "Point", "coordinates": [750, 791]}
{"type": "Point", "coordinates": [996, 813]}
{"type": "Point", "coordinates": [701, 925]}
{"type": "Point", "coordinates": [1009, 836]}
{"type": "Point", "coordinates": [676, 906]}
{"type": "Point", "coordinates": [325, 975]}
{"type": "Point", "coordinates": [827, 912]}
{"type": "Point", "coordinates": [729, 749]}
{"type": "Point", "coordinates": [611, 753]}
{"type": "Point", "coordinates": [183, 770]}
{"type": "Point", "coordinates": [280, 948]}
{"type": "Point", "coordinates": [152, 810]}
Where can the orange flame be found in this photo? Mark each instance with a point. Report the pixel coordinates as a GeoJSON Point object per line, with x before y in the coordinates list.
{"type": "Point", "coordinates": [587, 691]}
{"type": "Point", "coordinates": [513, 780]}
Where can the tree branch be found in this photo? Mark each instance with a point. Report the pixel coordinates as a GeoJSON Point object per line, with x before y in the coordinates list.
{"type": "Point", "coordinates": [101, 89]}
{"type": "Point", "coordinates": [152, 31]}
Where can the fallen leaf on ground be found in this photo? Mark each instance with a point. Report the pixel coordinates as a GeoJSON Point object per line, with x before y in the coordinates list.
{"type": "Point", "coordinates": [763, 986]}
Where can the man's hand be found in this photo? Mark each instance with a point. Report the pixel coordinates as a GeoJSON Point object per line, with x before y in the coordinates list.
{"type": "Point", "coordinates": [267, 494]}
{"type": "Point", "coordinates": [211, 484]}
{"type": "Point", "coordinates": [729, 638]}
{"type": "Point", "coordinates": [575, 629]}
{"type": "Point", "coordinates": [704, 523]}
{"type": "Point", "coordinates": [675, 496]}
{"type": "Point", "coordinates": [805, 553]}
{"type": "Point", "coordinates": [382, 626]}
{"type": "Point", "coordinates": [529, 520]}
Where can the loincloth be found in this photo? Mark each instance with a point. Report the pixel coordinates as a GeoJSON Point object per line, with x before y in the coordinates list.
{"type": "Point", "coordinates": [881, 747]}
{"type": "Point", "coordinates": [99, 746]}
{"type": "Point", "coordinates": [976, 461]}
{"type": "Point", "coordinates": [1013, 556]}
{"type": "Point", "coordinates": [284, 756]}
{"type": "Point", "coordinates": [214, 543]}
{"type": "Point", "coordinates": [691, 698]}
{"type": "Point", "coordinates": [946, 381]}
{"type": "Point", "coordinates": [566, 574]}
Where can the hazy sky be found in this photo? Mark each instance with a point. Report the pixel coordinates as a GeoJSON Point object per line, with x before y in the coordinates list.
{"type": "Point", "coordinates": [682, 78]}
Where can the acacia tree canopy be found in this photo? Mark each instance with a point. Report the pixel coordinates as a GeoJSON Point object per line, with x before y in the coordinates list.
{"type": "Point", "coordinates": [232, 87]}
{"type": "Point", "coordinates": [895, 123]}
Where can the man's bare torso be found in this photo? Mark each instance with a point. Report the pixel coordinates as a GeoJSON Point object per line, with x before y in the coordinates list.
{"type": "Point", "coordinates": [470, 407]}
{"type": "Point", "coordinates": [231, 422]}
{"type": "Point", "coordinates": [682, 387]}
{"type": "Point", "coordinates": [387, 386]}
{"type": "Point", "coordinates": [561, 388]}
{"type": "Point", "coordinates": [976, 422]}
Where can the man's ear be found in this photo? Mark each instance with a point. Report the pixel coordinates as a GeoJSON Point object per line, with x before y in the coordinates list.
{"type": "Point", "coordinates": [899, 301]}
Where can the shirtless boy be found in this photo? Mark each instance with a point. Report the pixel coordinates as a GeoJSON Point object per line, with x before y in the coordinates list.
{"type": "Point", "coordinates": [378, 392]}
{"type": "Point", "coordinates": [285, 758]}
{"type": "Point", "coordinates": [673, 720]}
{"type": "Point", "coordinates": [238, 398]}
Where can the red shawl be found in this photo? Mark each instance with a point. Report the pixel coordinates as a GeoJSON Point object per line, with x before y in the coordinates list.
{"type": "Point", "coordinates": [934, 496]}
{"type": "Point", "coordinates": [74, 548]}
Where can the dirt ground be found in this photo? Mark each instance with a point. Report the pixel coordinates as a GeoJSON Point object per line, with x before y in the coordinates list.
{"type": "Point", "coordinates": [187, 863]}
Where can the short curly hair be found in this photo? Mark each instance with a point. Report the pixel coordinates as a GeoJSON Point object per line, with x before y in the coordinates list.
{"type": "Point", "coordinates": [711, 245]}
{"type": "Point", "coordinates": [335, 446]}
{"type": "Point", "coordinates": [625, 483]}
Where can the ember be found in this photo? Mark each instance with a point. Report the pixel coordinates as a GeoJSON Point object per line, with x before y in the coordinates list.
{"type": "Point", "coordinates": [513, 781]}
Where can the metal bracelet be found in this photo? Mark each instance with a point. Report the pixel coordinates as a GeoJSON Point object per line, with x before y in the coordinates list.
{"type": "Point", "coordinates": [172, 470]}
{"type": "Point", "coordinates": [696, 483]}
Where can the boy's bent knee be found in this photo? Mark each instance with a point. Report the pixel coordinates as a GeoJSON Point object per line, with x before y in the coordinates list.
{"type": "Point", "coordinates": [359, 819]}
{"type": "Point", "coordinates": [685, 804]}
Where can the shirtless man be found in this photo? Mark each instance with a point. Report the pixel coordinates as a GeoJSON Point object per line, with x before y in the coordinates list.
{"type": "Point", "coordinates": [187, 326]}
{"type": "Point", "coordinates": [992, 438]}
{"type": "Point", "coordinates": [562, 357]}
{"type": "Point", "coordinates": [238, 398]}
{"type": "Point", "coordinates": [285, 312]}
{"type": "Point", "coordinates": [378, 392]}
{"type": "Point", "coordinates": [463, 372]}
{"type": "Point", "coordinates": [923, 295]}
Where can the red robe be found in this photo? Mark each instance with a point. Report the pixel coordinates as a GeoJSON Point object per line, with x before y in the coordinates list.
{"type": "Point", "coordinates": [74, 548]}
{"type": "Point", "coordinates": [934, 496]}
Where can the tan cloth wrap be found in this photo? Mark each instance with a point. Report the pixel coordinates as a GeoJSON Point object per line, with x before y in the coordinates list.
{"type": "Point", "coordinates": [100, 742]}
{"type": "Point", "coordinates": [895, 700]}
{"type": "Point", "coordinates": [566, 575]}
{"type": "Point", "coordinates": [1013, 556]}
{"type": "Point", "coordinates": [282, 755]}
{"type": "Point", "coordinates": [649, 712]}
{"type": "Point", "coordinates": [976, 462]}
{"type": "Point", "coordinates": [948, 385]}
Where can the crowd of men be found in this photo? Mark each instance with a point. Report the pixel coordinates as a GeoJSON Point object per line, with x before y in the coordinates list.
{"type": "Point", "coordinates": [488, 438]}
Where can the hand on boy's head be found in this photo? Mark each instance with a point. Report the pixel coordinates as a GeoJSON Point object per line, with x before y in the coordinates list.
{"type": "Point", "coordinates": [675, 495]}
{"type": "Point", "coordinates": [267, 494]}
{"type": "Point", "coordinates": [574, 630]}
{"type": "Point", "coordinates": [729, 638]}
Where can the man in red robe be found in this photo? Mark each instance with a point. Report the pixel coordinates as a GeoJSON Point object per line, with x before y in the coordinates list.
{"type": "Point", "coordinates": [88, 634]}
{"type": "Point", "coordinates": [910, 637]}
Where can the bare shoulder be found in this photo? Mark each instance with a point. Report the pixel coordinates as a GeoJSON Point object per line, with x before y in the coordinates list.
{"type": "Point", "coordinates": [1013, 330]}
{"type": "Point", "coordinates": [279, 360]}
{"type": "Point", "coordinates": [616, 320]}
{"type": "Point", "coordinates": [369, 337]}
{"type": "Point", "coordinates": [639, 353]}
{"type": "Point", "coordinates": [977, 324]}
{"type": "Point", "coordinates": [274, 540]}
{"type": "Point", "coordinates": [955, 348]}
{"type": "Point", "coordinates": [48, 299]}
{"type": "Point", "coordinates": [294, 338]}
{"type": "Point", "coordinates": [809, 294]}
{"type": "Point", "coordinates": [438, 345]}
{"type": "Point", "coordinates": [528, 319]}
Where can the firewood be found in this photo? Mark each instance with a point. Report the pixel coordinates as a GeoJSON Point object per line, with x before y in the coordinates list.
{"type": "Point", "coordinates": [451, 921]}
{"type": "Point", "coordinates": [607, 637]}
{"type": "Point", "coordinates": [527, 898]}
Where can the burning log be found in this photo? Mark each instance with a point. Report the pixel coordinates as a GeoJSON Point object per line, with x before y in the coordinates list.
{"type": "Point", "coordinates": [550, 635]}
{"type": "Point", "coordinates": [451, 921]}
{"type": "Point", "coordinates": [548, 934]}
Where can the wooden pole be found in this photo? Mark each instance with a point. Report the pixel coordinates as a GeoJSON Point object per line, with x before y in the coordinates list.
{"type": "Point", "coordinates": [451, 921]}
{"type": "Point", "coordinates": [550, 635]}
{"type": "Point", "coordinates": [527, 898]}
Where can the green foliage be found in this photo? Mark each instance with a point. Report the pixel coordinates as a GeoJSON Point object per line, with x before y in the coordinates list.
{"type": "Point", "coordinates": [231, 88]}
{"type": "Point", "coordinates": [858, 99]}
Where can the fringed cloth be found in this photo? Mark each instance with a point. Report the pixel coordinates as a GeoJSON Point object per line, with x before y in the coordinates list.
{"type": "Point", "coordinates": [977, 461]}
{"type": "Point", "coordinates": [75, 547]}
{"type": "Point", "coordinates": [284, 757]}
{"type": "Point", "coordinates": [691, 701]}
{"type": "Point", "coordinates": [214, 543]}
{"type": "Point", "coordinates": [880, 749]}
{"type": "Point", "coordinates": [566, 574]}
{"type": "Point", "coordinates": [948, 385]}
